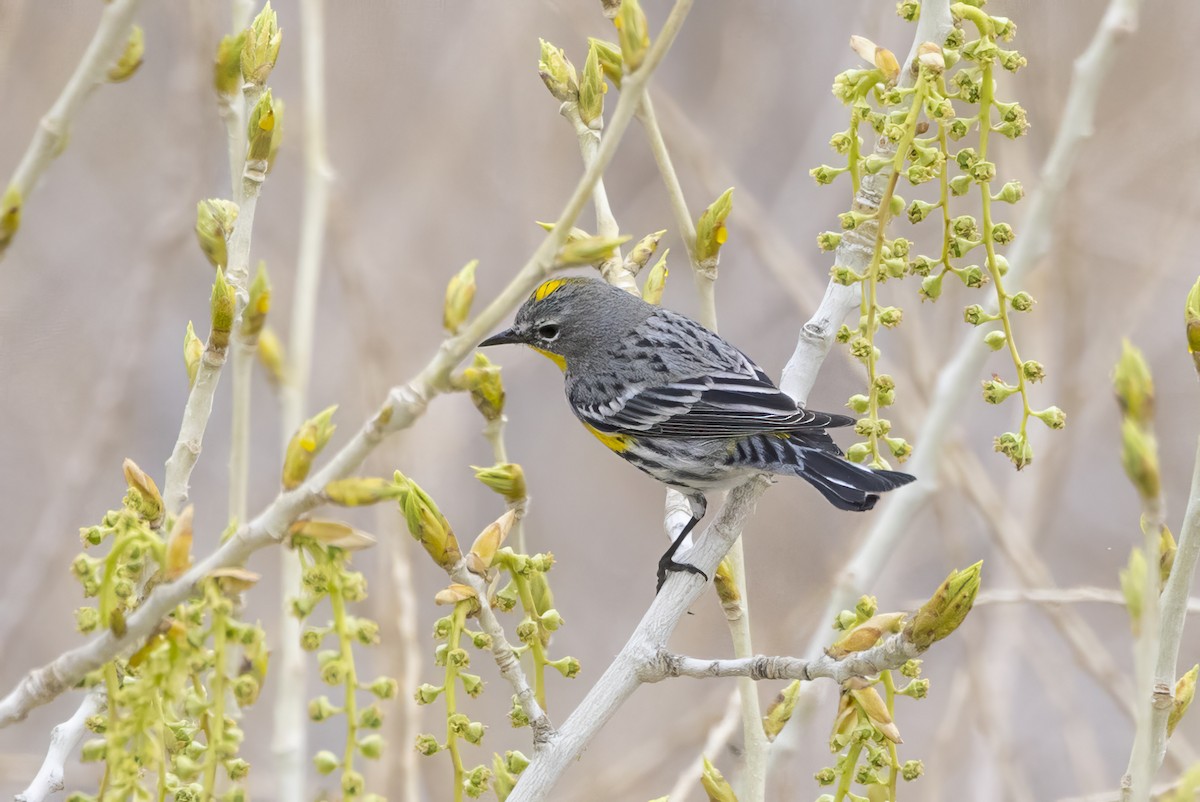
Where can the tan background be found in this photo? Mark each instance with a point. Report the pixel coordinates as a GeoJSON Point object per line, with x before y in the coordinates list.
{"type": "Point", "coordinates": [446, 148]}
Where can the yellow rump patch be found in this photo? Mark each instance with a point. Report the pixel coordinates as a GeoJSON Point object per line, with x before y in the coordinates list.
{"type": "Point", "coordinates": [557, 359]}
{"type": "Point", "coordinates": [616, 442]}
{"type": "Point", "coordinates": [548, 288]}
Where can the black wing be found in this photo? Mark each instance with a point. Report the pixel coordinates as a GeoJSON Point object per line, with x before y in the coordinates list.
{"type": "Point", "coordinates": [717, 405]}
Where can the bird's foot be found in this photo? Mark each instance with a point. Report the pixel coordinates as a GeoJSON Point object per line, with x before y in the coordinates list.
{"type": "Point", "coordinates": [671, 565]}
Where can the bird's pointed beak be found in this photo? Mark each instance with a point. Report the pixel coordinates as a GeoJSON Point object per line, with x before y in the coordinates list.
{"type": "Point", "coordinates": [503, 338]}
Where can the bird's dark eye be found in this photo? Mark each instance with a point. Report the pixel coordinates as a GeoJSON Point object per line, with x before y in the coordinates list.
{"type": "Point", "coordinates": [547, 332]}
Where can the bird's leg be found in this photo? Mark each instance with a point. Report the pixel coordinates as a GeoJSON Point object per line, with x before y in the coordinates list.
{"type": "Point", "coordinates": [667, 561]}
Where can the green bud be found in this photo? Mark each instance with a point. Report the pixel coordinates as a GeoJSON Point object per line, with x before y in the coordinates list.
{"type": "Point", "coordinates": [946, 609]}
{"type": "Point", "coordinates": [715, 784]}
{"type": "Point", "coordinates": [841, 142]}
{"type": "Point", "coordinates": [1134, 386]}
{"type": "Point", "coordinates": [995, 340]}
{"type": "Point", "coordinates": [1032, 370]}
{"type": "Point", "coordinates": [305, 445]}
{"type": "Point", "coordinates": [321, 708]}
{"type": "Point", "coordinates": [1053, 417]}
{"type": "Point", "coordinates": [829, 240]}
{"type": "Point", "coordinates": [427, 745]}
{"type": "Point", "coordinates": [592, 89]}
{"type": "Point", "coordinates": [1010, 192]}
{"type": "Point", "coordinates": [1185, 691]}
{"type": "Point", "coordinates": [1015, 447]}
{"type": "Point", "coordinates": [1139, 456]}
{"type": "Point", "coordinates": [427, 524]}
{"type": "Point", "coordinates": [983, 171]}
{"type": "Point", "coordinates": [639, 255]}
{"type": "Point", "coordinates": [352, 784]}
{"type": "Point", "coordinates": [912, 769]}
{"type": "Point", "coordinates": [87, 619]}
{"type": "Point", "coordinates": [460, 293]}
{"type": "Point", "coordinates": [633, 33]}
{"type": "Point", "coordinates": [1002, 234]}
{"type": "Point", "coordinates": [611, 61]}
{"type": "Point", "coordinates": [711, 233]}
{"type": "Point", "coordinates": [483, 382]}
{"type": "Point", "coordinates": [371, 747]}
{"type": "Point", "coordinates": [1021, 302]}
{"type": "Point", "coordinates": [569, 667]}
{"type": "Point", "coordinates": [957, 129]}
{"type": "Point", "coordinates": [858, 452]}
{"type": "Point", "coordinates": [261, 47]}
{"type": "Point", "coordinates": [918, 210]}
{"type": "Point", "coordinates": [825, 174]}
{"type": "Point", "coordinates": [960, 184]}
{"type": "Point", "coordinates": [215, 220]}
{"type": "Point", "coordinates": [472, 684]}
{"type": "Point", "coordinates": [656, 281]}
{"type": "Point", "coordinates": [131, 56]}
{"type": "Point", "coordinates": [507, 479]}
{"type": "Point", "coordinates": [260, 128]}
{"type": "Point", "coordinates": [975, 315]}
{"type": "Point", "coordinates": [826, 776]}
{"type": "Point", "coordinates": [890, 316]}
{"type": "Point", "coordinates": [254, 316]}
{"type": "Point", "coordinates": [995, 391]}
{"type": "Point", "coordinates": [370, 717]}
{"type": "Point", "coordinates": [227, 67]}
{"type": "Point", "coordinates": [557, 72]}
{"type": "Point", "coordinates": [1191, 319]}
{"type": "Point", "coordinates": [223, 306]}
{"type": "Point", "coordinates": [931, 287]}
{"type": "Point", "coordinates": [10, 215]}
{"type": "Point", "coordinates": [589, 250]}
{"type": "Point", "coordinates": [859, 403]}
{"type": "Point", "coordinates": [325, 761]}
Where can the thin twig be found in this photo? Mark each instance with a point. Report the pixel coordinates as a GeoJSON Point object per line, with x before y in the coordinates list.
{"type": "Point", "coordinates": [289, 743]}
{"type": "Point", "coordinates": [1078, 595]}
{"type": "Point", "coordinates": [54, 128]}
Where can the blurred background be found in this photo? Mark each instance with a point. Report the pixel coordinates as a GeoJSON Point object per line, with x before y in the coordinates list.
{"type": "Point", "coordinates": [447, 147]}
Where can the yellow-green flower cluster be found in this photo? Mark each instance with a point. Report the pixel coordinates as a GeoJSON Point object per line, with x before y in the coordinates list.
{"type": "Point", "coordinates": [327, 575]}
{"type": "Point", "coordinates": [952, 96]}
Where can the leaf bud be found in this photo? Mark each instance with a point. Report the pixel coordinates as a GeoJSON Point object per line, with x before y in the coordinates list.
{"type": "Point", "coordinates": [592, 89]}
{"type": "Point", "coordinates": [946, 609]}
{"type": "Point", "coordinates": [557, 72]}
{"type": "Point", "coordinates": [227, 66]}
{"type": "Point", "coordinates": [711, 233]}
{"type": "Point", "coordinates": [131, 56]}
{"type": "Point", "coordinates": [305, 445]}
{"type": "Point", "coordinates": [633, 33]}
{"type": "Point", "coordinates": [215, 219]}
{"type": "Point", "coordinates": [261, 46]}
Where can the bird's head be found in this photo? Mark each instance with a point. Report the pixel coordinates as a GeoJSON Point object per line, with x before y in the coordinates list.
{"type": "Point", "coordinates": [570, 319]}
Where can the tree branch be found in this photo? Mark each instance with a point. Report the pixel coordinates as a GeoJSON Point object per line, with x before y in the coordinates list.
{"type": "Point", "coordinates": [891, 653]}
{"type": "Point", "coordinates": [63, 740]}
{"type": "Point", "coordinates": [53, 129]}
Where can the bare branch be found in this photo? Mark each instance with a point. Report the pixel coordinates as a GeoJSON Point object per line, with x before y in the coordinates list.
{"type": "Point", "coordinates": [63, 740]}
{"type": "Point", "coordinates": [54, 128]}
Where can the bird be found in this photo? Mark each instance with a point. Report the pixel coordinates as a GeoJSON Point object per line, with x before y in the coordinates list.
{"type": "Point", "coordinates": [681, 403]}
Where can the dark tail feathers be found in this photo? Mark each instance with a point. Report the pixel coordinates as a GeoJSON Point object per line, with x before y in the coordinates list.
{"type": "Point", "coordinates": [847, 486]}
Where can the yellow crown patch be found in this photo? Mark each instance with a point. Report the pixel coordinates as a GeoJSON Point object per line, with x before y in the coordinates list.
{"type": "Point", "coordinates": [548, 288]}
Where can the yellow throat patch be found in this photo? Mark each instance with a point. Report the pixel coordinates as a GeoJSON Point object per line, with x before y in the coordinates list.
{"type": "Point", "coordinates": [557, 359]}
{"type": "Point", "coordinates": [615, 442]}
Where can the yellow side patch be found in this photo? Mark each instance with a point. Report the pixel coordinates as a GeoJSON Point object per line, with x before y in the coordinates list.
{"type": "Point", "coordinates": [548, 288]}
{"type": "Point", "coordinates": [616, 442]}
{"type": "Point", "coordinates": [557, 359]}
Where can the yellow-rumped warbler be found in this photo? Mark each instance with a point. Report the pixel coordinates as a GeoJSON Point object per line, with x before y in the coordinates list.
{"type": "Point", "coordinates": [681, 403]}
